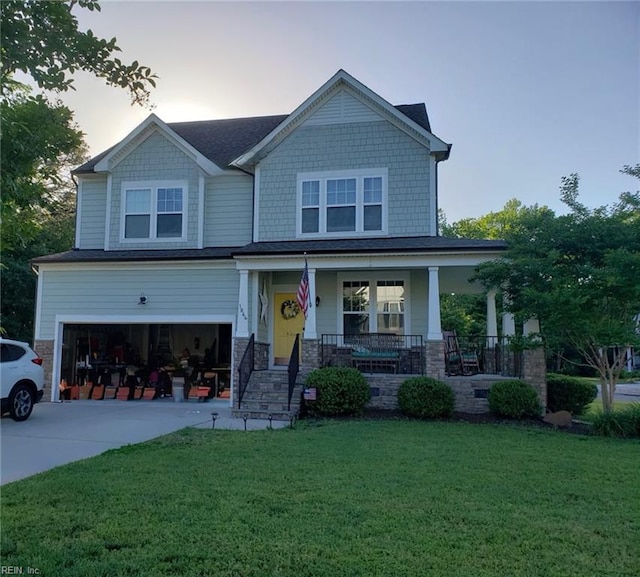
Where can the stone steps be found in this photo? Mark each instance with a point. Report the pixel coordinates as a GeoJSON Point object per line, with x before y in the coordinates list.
{"type": "Point", "coordinates": [267, 394]}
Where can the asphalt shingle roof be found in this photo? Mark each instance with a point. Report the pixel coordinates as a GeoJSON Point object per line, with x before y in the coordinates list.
{"type": "Point", "coordinates": [222, 141]}
{"type": "Point", "coordinates": [334, 246]}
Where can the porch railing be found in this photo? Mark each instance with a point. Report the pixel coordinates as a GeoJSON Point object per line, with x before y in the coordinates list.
{"type": "Point", "coordinates": [495, 355]}
{"type": "Point", "coordinates": [374, 352]}
{"type": "Point", "coordinates": [294, 368]}
{"type": "Point", "coordinates": [246, 368]}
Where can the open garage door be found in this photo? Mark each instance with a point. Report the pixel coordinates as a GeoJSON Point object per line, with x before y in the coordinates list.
{"type": "Point", "coordinates": [129, 360]}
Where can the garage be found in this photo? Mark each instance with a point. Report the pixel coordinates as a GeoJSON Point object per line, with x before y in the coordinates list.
{"type": "Point", "coordinates": [131, 361]}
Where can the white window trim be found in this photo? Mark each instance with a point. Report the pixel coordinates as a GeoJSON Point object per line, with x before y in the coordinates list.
{"type": "Point", "coordinates": [359, 175]}
{"type": "Point", "coordinates": [373, 278]}
{"type": "Point", "coordinates": [154, 185]}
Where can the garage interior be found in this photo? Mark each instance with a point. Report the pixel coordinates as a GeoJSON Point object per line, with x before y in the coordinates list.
{"type": "Point", "coordinates": [145, 361]}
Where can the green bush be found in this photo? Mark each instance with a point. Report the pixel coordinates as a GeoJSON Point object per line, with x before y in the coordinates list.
{"type": "Point", "coordinates": [514, 399]}
{"type": "Point", "coordinates": [425, 398]}
{"type": "Point", "coordinates": [339, 391]}
{"type": "Point", "coordinates": [619, 423]}
{"type": "Point", "coordinates": [571, 394]}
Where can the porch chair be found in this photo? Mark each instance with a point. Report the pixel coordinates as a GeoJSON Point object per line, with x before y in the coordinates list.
{"type": "Point", "coordinates": [457, 361]}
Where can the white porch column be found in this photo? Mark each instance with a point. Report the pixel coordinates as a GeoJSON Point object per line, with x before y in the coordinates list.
{"type": "Point", "coordinates": [242, 324]}
{"type": "Point", "coordinates": [310, 331]}
{"type": "Point", "coordinates": [434, 329]}
{"type": "Point", "coordinates": [492, 320]}
{"type": "Point", "coordinates": [531, 327]}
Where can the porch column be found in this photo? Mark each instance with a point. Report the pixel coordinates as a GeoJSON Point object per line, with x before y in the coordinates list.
{"type": "Point", "coordinates": [492, 320]}
{"type": "Point", "coordinates": [310, 324]}
{"type": "Point", "coordinates": [242, 324]}
{"type": "Point", "coordinates": [434, 328]}
{"type": "Point", "coordinates": [531, 327]}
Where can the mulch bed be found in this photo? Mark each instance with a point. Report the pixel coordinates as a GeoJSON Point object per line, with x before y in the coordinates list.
{"type": "Point", "coordinates": [577, 427]}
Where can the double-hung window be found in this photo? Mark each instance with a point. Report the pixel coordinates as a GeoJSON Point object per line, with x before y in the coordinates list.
{"type": "Point", "coordinates": [348, 202]}
{"type": "Point", "coordinates": [373, 305]}
{"type": "Point", "coordinates": [154, 211]}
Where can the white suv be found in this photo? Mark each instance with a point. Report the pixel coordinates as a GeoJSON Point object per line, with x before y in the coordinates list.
{"type": "Point", "coordinates": [21, 378]}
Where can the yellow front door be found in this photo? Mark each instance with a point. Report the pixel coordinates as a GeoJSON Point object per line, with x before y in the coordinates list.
{"type": "Point", "coordinates": [288, 322]}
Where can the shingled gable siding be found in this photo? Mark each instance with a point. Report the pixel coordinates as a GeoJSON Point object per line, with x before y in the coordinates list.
{"type": "Point", "coordinates": [344, 147]}
{"type": "Point", "coordinates": [228, 217]}
{"type": "Point", "coordinates": [156, 159]}
{"type": "Point", "coordinates": [91, 219]}
{"type": "Point", "coordinates": [169, 291]}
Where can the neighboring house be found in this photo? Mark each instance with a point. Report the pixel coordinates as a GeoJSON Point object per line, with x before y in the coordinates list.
{"type": "Point", "coordinates": [194, 235]}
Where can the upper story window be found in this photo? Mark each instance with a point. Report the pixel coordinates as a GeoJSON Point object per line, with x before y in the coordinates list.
{"type": "Point", "coordinates": [343, 203]}
{"type": "Point", "coordinates": [153, 211]}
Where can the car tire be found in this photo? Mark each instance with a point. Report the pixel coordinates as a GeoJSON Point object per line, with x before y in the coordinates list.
{"type": "Point", "coordinates": [21, 402]}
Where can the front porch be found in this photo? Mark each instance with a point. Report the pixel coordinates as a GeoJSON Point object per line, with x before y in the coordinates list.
{"type": "Point", "coordinates": [386, 361]}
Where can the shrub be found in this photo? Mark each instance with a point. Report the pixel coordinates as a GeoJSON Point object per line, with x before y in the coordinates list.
{"type": "Point", "coordinates": [571, 394]}
{"type": "Point", "coordinates": [513, 399]}
{"type": "Point", "coordinates": [619, 423]}
{"type": "Point", "coordinates": [339, 391]}
{"type": "Point", "coordinates": [425, 398]}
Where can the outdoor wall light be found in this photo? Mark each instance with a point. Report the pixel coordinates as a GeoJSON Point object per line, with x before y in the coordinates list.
{"type": "Point", "coordinates": [143, 299]}
{"type": "Point", "coordinates": [318, 300]}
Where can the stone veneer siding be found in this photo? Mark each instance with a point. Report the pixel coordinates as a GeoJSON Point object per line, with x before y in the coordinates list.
{"type": "Point", "coordinates": [45, 349]}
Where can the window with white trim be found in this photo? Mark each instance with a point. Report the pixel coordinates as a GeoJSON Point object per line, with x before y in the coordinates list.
{"type": "Point", "coordinates": [342, 203]}
{"type": "Point", "coordinates": [153, 211]}
{"type": "Point", "coordinates": [385, 297]}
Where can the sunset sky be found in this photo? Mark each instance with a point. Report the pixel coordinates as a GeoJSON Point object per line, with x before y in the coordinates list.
{"type": "Point", "coordinates": [527, 92]}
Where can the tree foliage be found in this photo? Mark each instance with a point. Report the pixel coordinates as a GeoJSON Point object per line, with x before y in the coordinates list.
{"type": "Point", "coordinates": [578, 274]}
{"type": "Point", "coordinates": [43, 40]}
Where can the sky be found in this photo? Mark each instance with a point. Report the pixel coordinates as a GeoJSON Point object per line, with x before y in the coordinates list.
{"type": "Point", "coordinates": [527, 92]}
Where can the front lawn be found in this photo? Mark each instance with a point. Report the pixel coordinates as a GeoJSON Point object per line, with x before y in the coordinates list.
{"type": "Point", "coordinates": [348, 498]}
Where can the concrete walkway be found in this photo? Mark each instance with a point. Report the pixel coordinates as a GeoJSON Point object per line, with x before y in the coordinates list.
{"type": "Point", "coordinates": [59, 433]}
{"type": "Point", "coordinates": [625, 392]}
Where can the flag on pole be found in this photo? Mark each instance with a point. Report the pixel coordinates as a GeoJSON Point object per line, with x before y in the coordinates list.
{"type": "Point", "coordinates": [303, 290]}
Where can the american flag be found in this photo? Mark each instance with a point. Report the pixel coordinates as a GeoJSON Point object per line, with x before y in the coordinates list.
{"type": "Point", "coordinates": [303, 290]}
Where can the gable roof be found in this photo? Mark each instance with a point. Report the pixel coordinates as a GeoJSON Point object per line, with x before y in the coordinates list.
{"type": "Point", "coordinates": [341, 80]}
{"type": "Point", "coordinates": [223, 141]}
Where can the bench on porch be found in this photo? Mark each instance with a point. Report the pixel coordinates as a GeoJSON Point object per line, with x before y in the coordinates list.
{"type": "Point", "coordinates": [375, 352]}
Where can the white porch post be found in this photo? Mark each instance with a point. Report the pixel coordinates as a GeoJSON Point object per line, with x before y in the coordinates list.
{"type": "Point", "coordinates": [242, 324]}
{"type": "Point", "coordinates": [531, 327]}
{"type": "Point", "coordinates": [310, 331]}
{"type": "Point", "coordinates": [434, 329]}
{"type": "Point", "coordinates": [492, 320]}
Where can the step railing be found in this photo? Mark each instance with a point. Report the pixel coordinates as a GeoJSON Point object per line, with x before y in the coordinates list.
{"type": "Point", "coordinates": [294, 368]}
{"type": "Point", "coordinates": [245, 368]}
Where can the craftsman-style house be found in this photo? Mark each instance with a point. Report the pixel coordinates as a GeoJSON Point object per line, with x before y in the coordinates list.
{"type": "Point", "coordinates": [191, 239]}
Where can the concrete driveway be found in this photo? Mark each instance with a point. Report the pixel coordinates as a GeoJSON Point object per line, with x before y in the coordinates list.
{"type": "Point", "coordinates": [59, 433]}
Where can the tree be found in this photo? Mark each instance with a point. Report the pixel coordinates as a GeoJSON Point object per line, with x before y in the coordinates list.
{"type": "Point", "coordinates": [578, 274]}
{"type": "Point", "coordinates": [40, 141]}
{"type": "Point", "coordinates": [42, 39]}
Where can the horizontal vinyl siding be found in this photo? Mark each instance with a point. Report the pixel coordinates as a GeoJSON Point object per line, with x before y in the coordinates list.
{"type": "Point", "coordinates": [228, 210]}
{"type": "Point", "coordinates": [92, 217]}
{"type": "Point", "coordinates": [346, 147]}
{"type": "Point", "coordinates": [155, 159]}
{"type": "Point", "coordinates": [419, 300]}
{"type": "Point", "coordinates": [169, 291]}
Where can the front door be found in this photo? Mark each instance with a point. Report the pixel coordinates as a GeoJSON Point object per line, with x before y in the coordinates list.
{"type": "Point", "coordinates": [288, 322]}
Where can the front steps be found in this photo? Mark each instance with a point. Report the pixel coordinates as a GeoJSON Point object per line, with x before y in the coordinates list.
{"type": "Point", "coordinates": [267, 394]}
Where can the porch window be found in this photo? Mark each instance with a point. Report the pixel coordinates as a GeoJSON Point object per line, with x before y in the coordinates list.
{"type": "Point", "coordinates": [153, 211]}
{"type": "Point", "coordinates": [342, 203]}
{"type": "Point", "coordinates": [385, 297]}
{"type": "Point", "coordinates": [355, 305]}
{"type": "Point", "coordinates": [390, 306]}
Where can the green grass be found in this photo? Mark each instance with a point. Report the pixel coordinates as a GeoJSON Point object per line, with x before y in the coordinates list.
{"type": "Point", "coordinates": [348, 498]}
{"type": "Point", "coordinates": [595, 408]}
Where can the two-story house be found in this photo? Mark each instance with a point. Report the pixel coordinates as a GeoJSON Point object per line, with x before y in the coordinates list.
{"type": "Point", "coordinates": [194, 235]}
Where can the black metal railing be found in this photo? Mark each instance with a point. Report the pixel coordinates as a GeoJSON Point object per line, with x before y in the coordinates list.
{"type": "Point", "coordinates": [374, 352]}
{"type": "Point", "coordinates": [494, 355]}
{"type": "Point", "coordinates": [294, 368]}
{"type": "Point", "coordinates": [246, 368]}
